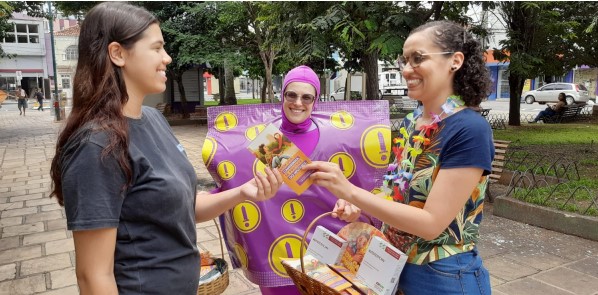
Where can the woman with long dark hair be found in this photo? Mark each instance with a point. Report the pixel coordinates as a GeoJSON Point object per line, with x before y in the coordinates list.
{"type": "Point", "coordinates": [128, 189]}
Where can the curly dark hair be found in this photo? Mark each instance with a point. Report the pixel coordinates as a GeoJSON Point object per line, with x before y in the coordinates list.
{"type": "Point", "coordinates": [472, 81]}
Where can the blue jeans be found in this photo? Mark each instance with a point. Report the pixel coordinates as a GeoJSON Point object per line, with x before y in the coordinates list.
{"type": "Point", "coordinates": [458, 274]}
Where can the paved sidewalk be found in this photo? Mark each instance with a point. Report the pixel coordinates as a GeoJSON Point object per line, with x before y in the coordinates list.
{"type": "Point", "coordinates": [36, 250]}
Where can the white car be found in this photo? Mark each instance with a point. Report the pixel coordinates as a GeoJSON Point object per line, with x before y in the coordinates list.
{"type": "Point", "coordinates": [575, 93]}
{"type": "Point", "coordinates": [338, 94]}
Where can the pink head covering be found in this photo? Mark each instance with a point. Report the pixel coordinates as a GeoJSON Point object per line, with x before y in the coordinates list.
{"type": "Point", "coordinates": [299, 74]}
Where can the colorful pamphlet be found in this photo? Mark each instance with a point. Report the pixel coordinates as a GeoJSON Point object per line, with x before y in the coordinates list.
{"type": "Point", "coordinates": [275, 150]}
{"type": "Point", "coordinates": [326, 246]}
{"type": "Point", "coordinates": [381, 267]}
{"type": "Point", "coordinates": [358, 236]}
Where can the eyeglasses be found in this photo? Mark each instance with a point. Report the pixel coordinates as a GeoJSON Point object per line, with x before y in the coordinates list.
{"type": "Point", "coordinates": [416, 58]}
{"type": "Point", "coordinates": [291, 96]}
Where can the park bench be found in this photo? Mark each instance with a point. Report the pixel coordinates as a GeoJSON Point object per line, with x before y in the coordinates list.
{"type": "Point", "coordinates": [567, 114]}
{"type": "Point", "coordinates": [163, 108]}
{"type": "Point", "coordinates": [500, 149]}
{"type": "Point", "coordinates": [200, 114]}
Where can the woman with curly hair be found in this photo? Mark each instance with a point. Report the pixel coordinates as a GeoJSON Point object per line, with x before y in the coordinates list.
{"type": "Point", "coordinates": [437, 181]}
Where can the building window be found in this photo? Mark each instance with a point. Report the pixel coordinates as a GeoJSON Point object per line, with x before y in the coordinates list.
{"type": "Point", "coordinates": [22, 33]}
{"type": "Point", "coordinates": [66, 81]}
{"type": "Point", "coordinates": [72, 53]}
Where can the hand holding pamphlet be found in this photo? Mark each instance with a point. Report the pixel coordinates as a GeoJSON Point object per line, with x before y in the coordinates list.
{"type": "Point", "coordinates": [275, 150]}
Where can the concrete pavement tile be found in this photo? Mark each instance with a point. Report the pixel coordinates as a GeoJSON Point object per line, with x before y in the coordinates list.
{"type": "Point", "coordinates": [51, 207]}
{"type": "Point", "coordinates": [8, 271]}
{"type": "Point", "coordinates": [236, 284]}
{"type": "Point", "coordinates": [26, 197]}
{"type": "Point", "coordinates": [56, 224]}
{"type": "Point", "coordinates": [588, 266]}
{"type": "Point", "coordinates": [41, 190]}
{"type": "Point", "coordinates": [3, 200]}
{"type": "Point", "coordinates": [535, 258]}
{"type": "Point", "coordinates": [490, 247]}
{"type": "Point", "coordinates": [3, 189]}
{"type": "Point", "coordinates": [11, 205]}
{"type": "Point", "coordinates": [14, 193]}
{"type": "Point", "coordinates": [40, 202]}
{"type": "Point", "coordinates": [204, 235]}
{"type": "Point", "coordinates": [24, 286]}
{"type": "Point", "coordinates": [213, 246]}
{"type": "Point", "coordinates": [41, 181]}
{"type": "Point", "coordinates": [63, 278]}
{"type": "Point", "coordinates": [44, 216]}
{"type": "Point", "coordinates": [212, 230]}
{"type": "Point", "coordinates": [60, 246]}
{"type": "Point", "coordinates": [529, 286]}
{"type": "Point", "coordinates": [568, 279]}
{"type": "Point", "coordinates": [43, 237]}
{"type": "Point", "coordinates": [506, 269]}
{"type": "Point", "coordinates": [70, 290]}
{"type": "Point", "coordinates": [9, 243]}
{"type": "Point", "coordinates": [494, 292]}
{"type": "Point", "coordinates": [8, 221]}
{"type": "Point", "coordinates": [494, 281]}
{"type": "Point", "coordinates": [45, 263]}
{"type": "Point", "coordinates": [23, 229]}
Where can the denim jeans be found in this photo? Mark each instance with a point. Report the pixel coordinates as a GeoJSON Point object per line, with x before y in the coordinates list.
{"type": "Point", "coordinates": [458, 274]}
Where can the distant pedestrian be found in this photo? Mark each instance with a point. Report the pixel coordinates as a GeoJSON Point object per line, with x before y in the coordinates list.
{"type": "Point", "coordinates": [40, 99]}
{"type": "Point", "coordinates": [21, 100]}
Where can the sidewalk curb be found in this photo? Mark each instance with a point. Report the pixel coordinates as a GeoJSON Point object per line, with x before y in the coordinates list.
{"type": "Point", "coordinates": [564, 222]}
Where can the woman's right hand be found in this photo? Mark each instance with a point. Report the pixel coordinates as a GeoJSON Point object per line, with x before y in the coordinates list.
{"type": "Point", "coordinates": [330, 176]}
{"type": "Point", "coordinates": [262, 187]}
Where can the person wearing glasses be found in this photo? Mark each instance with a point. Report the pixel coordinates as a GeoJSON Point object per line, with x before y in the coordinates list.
{"type": "Point", "coordinates": [128, 188]}
{"type": "Point", "coordinates": [437, 181]}
{"type": "Point", "coordinates": [285, 217]}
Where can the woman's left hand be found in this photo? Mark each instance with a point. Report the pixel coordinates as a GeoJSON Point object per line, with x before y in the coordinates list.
{"type": "Point", "coordinates": [346, 211]}
{"type": "Point", "coordinates": [262, 187]}
{"type": "Point", "coordinates": [330, 176]}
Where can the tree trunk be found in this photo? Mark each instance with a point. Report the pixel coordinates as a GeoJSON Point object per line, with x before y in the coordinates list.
{"type": "Point", "coordinates": [253, 88]}
{"type": "Point", "coordinates": [229, 83]}
{"type": "Point", "coordinates": [263, 92]}
{"type": "Point", "coordinates": [348, 87]}
{"type": "Point", "coordinates": [370, 67]}
{"type": "Point", "coordinates": [221, 88]}
{"type": "Point", "coordinates": [178, 77]}
{"type": "Point", "coordinates": [515, 89]}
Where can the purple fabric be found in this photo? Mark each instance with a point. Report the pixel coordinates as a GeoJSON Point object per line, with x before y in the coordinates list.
{"type": "Point", "coordinates": [307, 141]}
{"type": "Point", "coordinates": [258, 234]}
{"type": "Point", "coordinates": [299, 74]}
{"type": "Point", "coordinates": [286, 290]}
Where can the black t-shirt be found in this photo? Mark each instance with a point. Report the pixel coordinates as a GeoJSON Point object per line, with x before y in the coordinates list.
{"type": "Point", "coordinates": [39, 95]}
{"type": "Point", "coordinates": [156, 250]}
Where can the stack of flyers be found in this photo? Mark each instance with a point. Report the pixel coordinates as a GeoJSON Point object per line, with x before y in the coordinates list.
{"type": "Point", "coordinates": [275, 150]}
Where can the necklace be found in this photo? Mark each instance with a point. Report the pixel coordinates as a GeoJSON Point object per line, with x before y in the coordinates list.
{"type": "Point", "coordinates": [406, 148]}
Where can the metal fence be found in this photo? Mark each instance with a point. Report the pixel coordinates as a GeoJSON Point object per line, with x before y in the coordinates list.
{"type": "Point", "coordinates": [549, 181]}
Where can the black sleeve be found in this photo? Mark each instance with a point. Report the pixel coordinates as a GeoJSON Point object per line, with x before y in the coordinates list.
{"type": "Point", "coordinates": [92, 188]}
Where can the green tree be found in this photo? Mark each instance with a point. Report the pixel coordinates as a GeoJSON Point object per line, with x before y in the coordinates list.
{"type": "Point", "coordinates": [536, 34]}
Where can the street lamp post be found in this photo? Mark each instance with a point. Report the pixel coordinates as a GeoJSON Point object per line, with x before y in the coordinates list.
{"type": "Point", "coordinates": [56, 101]}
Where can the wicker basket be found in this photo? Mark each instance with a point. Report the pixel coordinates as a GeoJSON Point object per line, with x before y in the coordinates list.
{"type": "Point", "coordinates": [220, 284]}
{"type": "Point", "coordinates": [306, 284]}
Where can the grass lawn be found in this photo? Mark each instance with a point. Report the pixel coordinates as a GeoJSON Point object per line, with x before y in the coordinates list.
{"type": "Point", "coordinates": [556, 150]}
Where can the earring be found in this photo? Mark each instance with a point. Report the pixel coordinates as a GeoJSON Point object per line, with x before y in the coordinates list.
{"type": "Point", "coordinates": [453, 69]}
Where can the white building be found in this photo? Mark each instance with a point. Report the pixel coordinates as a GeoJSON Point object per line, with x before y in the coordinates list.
{"type": "Point", "coordinates": [27, 45]}
{"type": "Point", "coordinates": [67, 53]}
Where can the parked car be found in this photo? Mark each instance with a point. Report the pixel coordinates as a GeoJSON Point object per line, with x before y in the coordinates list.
{"type": "Point", "coordinates": [338, 94]}
{"type": "Point", "coordinates": [575, 93]}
